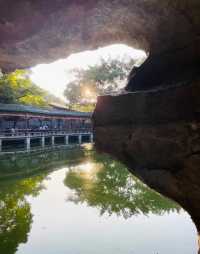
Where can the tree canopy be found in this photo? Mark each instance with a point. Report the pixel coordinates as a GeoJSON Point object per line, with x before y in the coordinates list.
{"type": "Point", "coordinates": [16, 87]}
{"type": "Point", "coordinates": [106, 77]}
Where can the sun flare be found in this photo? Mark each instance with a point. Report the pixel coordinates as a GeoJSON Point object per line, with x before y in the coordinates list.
{"type": "Point", "coordinates": [54, 76]}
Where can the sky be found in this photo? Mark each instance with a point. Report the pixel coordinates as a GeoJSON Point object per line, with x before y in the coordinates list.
{"type": "Point", "coordinates": [54, 76]}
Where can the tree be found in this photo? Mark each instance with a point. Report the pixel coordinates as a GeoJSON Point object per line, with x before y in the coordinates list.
{"type": "Point", "coordinates": [106, 77]}
{"type": "Point", "coordinates": [16, 87]}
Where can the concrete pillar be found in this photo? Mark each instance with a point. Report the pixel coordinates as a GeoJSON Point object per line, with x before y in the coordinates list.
{"type": "Point", "coordinates": [80, 139]}
{"type": "Point", "coordinates": [0, 144]}
{"type": "Point", "coordinates": [66, 140]}
{"type": "Point", "coordinates": [53, 140]}
{"type": "Point", "coordinates": [43, 141]}
{"type": "Point", "coordinates": [28, 143]}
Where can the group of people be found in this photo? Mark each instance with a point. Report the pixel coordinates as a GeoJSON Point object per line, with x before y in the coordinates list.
{"type": "Point", "coordinates": [13, 131]}
{"type": "Point", "coordinates": [44, 128]}
{"type": "Point", "coordinates": [72, 126]}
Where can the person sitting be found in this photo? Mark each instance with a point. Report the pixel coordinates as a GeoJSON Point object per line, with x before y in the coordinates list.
{"type": "Point", "coordinates": [13, 131]}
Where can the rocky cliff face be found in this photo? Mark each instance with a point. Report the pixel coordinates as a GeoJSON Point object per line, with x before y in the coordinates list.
{"type": "Point", "coordinates": [157, 135]}
{"type": "Point", "coordinates": [156, 131]}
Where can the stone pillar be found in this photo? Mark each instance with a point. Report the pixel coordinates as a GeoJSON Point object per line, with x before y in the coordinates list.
{"type": "Point", "coordinates": [53, 140]}
{"type": "Point", "coordinates": [80, 139]}
{"type": "Point", "coordinates": [28, 143]}
{"type": "Point", "coordinates": [0, 145]}
{"type": "Point", "coordinates": [43, 141]}
{"type": "Point", "coordinates": [66, 140]}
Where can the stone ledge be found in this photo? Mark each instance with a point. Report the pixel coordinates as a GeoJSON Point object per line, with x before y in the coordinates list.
{"type": "Point", "coordinates": [150, 107]}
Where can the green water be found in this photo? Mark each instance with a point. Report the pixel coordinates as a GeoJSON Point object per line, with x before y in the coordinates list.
{"type": "Point", "coordinates": [81, 202]}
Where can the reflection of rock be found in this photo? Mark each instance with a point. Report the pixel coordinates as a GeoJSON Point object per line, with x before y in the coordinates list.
{"type": "Point", "coordinates": [110, 187]}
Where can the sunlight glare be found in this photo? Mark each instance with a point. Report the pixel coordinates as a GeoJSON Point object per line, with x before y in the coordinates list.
{"type": "Point", "coordinates": [54, 76]}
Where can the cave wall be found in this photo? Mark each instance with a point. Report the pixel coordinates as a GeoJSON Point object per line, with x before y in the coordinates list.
{"type": "Point", "coordinates": [157, 135]}
{"type": "Point", "coordinates": [39, 31]}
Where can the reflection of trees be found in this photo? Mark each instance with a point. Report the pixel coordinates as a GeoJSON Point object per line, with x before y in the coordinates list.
{"type": "Point", "coordinates": [27, 164]}
{"type": "Point", "coordinates": [15, 213]}
{"type": "Point", "coordinates": [107, 185]}
{"type": "Point", "coordinates": [97, 180]}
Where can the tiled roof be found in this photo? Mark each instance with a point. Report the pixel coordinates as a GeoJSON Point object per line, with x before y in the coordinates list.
{"type": "Point", "coordinates": [16, 108]}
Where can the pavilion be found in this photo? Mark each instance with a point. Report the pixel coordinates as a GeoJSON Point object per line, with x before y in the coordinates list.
{"type": "Point", "coordinates": [27, 126]}
{"type": "Point", "coordinates": [21, 117]}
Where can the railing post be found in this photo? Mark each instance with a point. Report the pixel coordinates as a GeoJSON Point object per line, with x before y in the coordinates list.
{"type": "Point", "coordinates": [53, 140]}
{"type": "Point", "coordinates": [43, 141]}
{"type": "Point", "coordinates": [80, 139]}
{"type": "Point", "coordinates": [91, 138]}
{"type": "Point", "coordinates": [66, 140]}
{"type": "Point", "coordinates": [0, 145]}
{"type": "Point", "coordinates": [28, 143]}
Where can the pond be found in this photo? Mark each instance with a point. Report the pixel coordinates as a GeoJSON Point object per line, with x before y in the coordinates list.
{"type": "Point", "coordinates": [80, 202]}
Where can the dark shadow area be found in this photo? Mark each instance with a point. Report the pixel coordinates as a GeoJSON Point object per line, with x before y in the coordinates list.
{"type": "Point", "coordinates": [73, 139]}
{"type": "Point", "coordinates": [9, 145]}
{"type": "Point", "coordinates": [85, 139]}
{"type": "Point", "coordinates": [59, 140]}
{"type": "Point", "coordinates": [47, 141]}
{"type": "Point", "coordinates": [35, 142]}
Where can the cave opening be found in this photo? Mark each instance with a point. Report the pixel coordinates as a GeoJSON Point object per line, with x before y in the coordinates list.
{"type": "Point", "coordinates": [163, 123]}
{"type": "Point", "coordinates": [89, 73]}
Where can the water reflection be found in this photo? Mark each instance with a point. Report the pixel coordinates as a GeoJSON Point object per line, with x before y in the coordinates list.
{"type": "Point", "coordinates": [92, 184]}
{"type": "Point", "coordinates": [107, 185]}
{"type": "Point", "coordinates": [15, 212]}
{"type": "Point", "coordinates": [20, 165]}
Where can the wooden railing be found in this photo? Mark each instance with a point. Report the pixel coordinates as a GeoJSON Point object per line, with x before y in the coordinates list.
{"type": "Point", "coordinates": [29, 132]}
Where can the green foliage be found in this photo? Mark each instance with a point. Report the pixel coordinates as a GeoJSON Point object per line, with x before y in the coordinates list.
{"type": "Point", "coordinates": [73, 92]}
{"type": "Point", "coordinates": [16, 87]}
{"type": "Point", "coordinates": [103, 78]}
{"type": "Point", "coordinates": [28, 164]}
{"type": "Point", "coordinates": [85, 107]}
{"type": "Point", "coordinates": [15, 212]}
